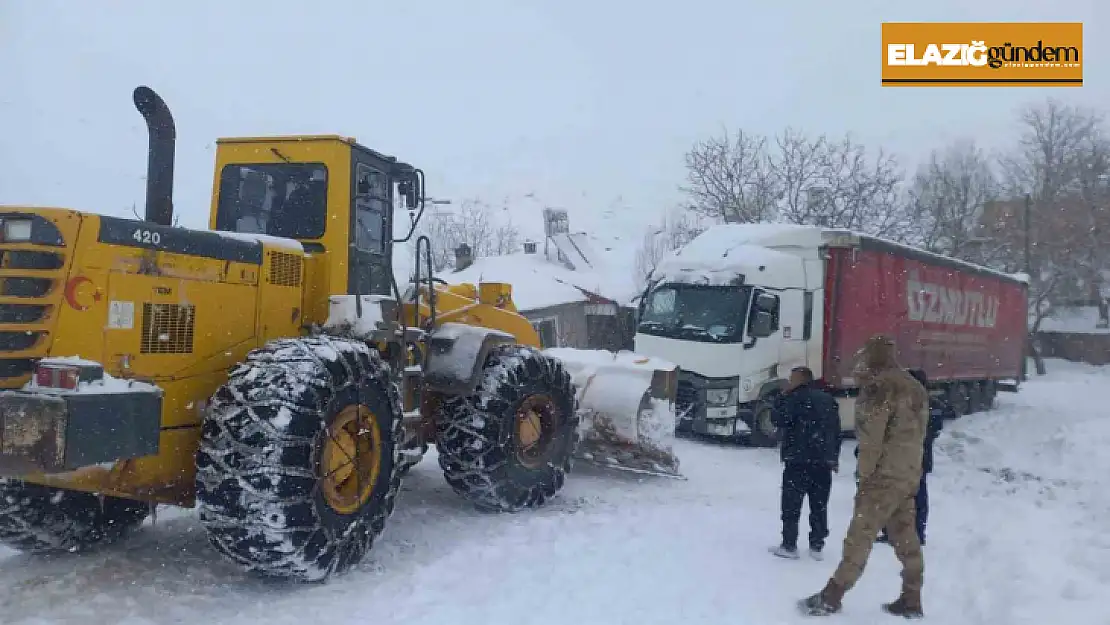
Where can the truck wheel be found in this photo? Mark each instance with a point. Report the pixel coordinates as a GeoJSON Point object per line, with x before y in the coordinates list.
{"type": "Point", "coordinates": [298, 466]}
{"type": "Point", "coordinates": [40, 519]}
{"type": "Point", "coordinates": [508, 445]}
{"type": "Point", "coordinates": [990, 391]}
{"type": "Point", "coordinates": [764, 432]}
{"type": "Point", "coordinates": [957, 398]}
{"type": "Point", "coordinates": [975, 397]}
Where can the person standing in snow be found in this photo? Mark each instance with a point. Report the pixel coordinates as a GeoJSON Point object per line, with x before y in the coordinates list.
{"type": "Point", "coordinates": [939, 410]}
{"type": "Point", "coordinates": [809, 420]}
{"type": "Point", "coordinates": [892, 413]}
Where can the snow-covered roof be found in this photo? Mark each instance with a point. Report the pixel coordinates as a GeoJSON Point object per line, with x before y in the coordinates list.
{"type": "Point", "coordinates": [537, 282]}
{"type": "Point", "coordinates": [712, 246]}
{"type": "Point", "coordinates": [1073, 320]}
{"type": "Point", "coordinates": [721, 253]}
{"type": "Point", "coordinates": [576, 248]}
{"type": "Point", "coordinates": [710, 264]}
{"type": "Point", "coordinates": [719, 238]}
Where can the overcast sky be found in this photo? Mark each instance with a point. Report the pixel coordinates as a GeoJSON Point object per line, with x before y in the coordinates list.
{"type": "Point", "coordinates": [578, 102]}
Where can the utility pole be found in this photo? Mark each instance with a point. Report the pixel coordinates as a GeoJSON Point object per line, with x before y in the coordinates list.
{"type": "Point", "coordinates": [1025, 224]}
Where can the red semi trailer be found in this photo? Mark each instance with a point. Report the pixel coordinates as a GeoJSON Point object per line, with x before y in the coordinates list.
{"type": "Point", "coordinates": [963, 324]}
{"type": "Point", "coordinates": [740, 305]}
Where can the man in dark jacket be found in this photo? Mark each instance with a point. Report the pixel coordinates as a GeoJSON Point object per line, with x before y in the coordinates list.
{"type": "Point", "coordinates": [809, 421]}
{"type": "Point", "coordinates": [939, 410]}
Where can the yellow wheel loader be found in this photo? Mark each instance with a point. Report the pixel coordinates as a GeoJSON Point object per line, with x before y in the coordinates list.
{"type": "Point", "coordinates": [268, 371]}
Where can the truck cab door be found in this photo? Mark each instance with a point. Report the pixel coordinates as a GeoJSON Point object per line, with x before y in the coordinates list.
{"type": "Point", "coordinates": [763, 339]}
{"type": "Point", "coordinates": [792, 348]}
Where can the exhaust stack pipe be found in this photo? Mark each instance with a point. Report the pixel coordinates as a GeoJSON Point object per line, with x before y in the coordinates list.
{"type": "Point", "coordinates": [162, 136]}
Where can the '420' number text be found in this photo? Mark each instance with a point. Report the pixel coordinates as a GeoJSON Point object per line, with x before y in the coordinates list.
{"type": "Point", "coordinates": [146, 236]}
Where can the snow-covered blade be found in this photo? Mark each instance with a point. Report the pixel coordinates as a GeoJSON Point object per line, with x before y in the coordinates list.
{"type": "Point", "coordinates": [626, 407]}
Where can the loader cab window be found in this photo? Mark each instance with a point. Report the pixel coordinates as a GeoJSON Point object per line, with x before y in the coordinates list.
{"type": "Point", "coordinates": [710, 314]}
{"type": "Point", "coordinates": [287, 200]}
{"type": "Point", "coordinates": [372, 207]}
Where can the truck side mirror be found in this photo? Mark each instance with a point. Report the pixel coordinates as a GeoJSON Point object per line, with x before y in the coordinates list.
{"type": "Point", "coordinates": [763, 325]}
{"type": "Point", "coordinates": [766, 302]}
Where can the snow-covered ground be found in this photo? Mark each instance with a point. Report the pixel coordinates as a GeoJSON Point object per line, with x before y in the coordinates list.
{"type": "Point", "coordinates": [1019, 533]}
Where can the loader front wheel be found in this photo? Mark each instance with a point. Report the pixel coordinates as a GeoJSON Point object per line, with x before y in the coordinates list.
{"type": "Point", "coordinates": [40, 519]}
{"type": "Point", "coordinates": [509, 444]}
{"type": "Point", "coordinates": [299, 462]}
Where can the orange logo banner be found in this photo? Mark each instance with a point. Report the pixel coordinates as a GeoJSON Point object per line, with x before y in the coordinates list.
{"type": "Point", "coordinates": [982, 54]}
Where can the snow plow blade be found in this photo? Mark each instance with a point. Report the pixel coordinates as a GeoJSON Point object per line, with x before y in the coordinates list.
{"type": "Point", "coordinates": [626, 405]}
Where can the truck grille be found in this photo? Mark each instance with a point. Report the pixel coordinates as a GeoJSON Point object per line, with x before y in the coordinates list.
{"type": "Point", "coordinates": [30, 291]}
{"type": "Point", "coordinates": [686, 398]}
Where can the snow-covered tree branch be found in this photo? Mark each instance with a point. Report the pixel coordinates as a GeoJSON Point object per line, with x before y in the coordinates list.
{"type": "Point", "coordinates": [729, 178]}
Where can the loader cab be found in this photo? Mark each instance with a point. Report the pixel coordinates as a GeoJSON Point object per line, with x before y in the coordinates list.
{"type": "Point", "coordinates": [333, 195]}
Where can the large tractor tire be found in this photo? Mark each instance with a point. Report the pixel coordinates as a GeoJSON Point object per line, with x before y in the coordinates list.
{"type": "Point", "coordinates": [39, 519]}
{"type": "Point", "coordinates": [509, 444]}
{"type": "Point", "coordinates": [298, 466]}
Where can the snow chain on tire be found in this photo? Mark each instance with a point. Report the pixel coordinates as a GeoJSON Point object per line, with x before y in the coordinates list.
{"type": "Point", "coordinates": [259, 489]}
{"type": "Point", "coordinates": [475, 434]}
{"type": "Point", "coordinates": [40, 519]}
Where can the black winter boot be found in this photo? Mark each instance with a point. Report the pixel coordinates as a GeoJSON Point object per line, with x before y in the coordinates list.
{"type": "Point", "coordinates": [823, 603]}
{"type": "Point", "coordinates": [907, 605]}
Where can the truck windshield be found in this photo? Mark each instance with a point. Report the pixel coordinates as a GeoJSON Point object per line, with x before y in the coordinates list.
{"type": "Point", "coordinates": [282, 200]}
{"type": "Point", "coordinates": [711, 314]}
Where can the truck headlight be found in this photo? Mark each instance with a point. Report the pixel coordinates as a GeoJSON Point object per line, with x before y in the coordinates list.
{"type": "Point", "coordinates": [720, 396]}
{"type": "Point", "coordinates": [17, 230]}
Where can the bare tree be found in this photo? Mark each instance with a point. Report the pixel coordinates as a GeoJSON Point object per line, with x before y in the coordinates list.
{"type": "Point", "coordinates": [946, 201]}
{"type": "Point", "coordinates": [1047, 158]}
{"type": "Point", "coordinates": [1061, 161]}
{"type": "Point", "coordinates": [674, 231]}
{"type": "Point", "coordinates": [797, 167]}
{"type": "Point", "coordinates": [728, 178]}
{"type": "Point", "coordinates": [474, 223]}
{"type": "Point", "coordinates": [838, 184]}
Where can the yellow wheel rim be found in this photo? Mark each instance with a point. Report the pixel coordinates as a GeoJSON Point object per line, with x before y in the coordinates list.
{"type": "Point", "coordinates": [536, 421]}
{"type": "Point", "coordinates": [351, 460]}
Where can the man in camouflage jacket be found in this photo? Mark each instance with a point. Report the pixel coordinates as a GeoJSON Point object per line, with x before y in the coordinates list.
{"type": "Point", "coordinates": [892, 414]}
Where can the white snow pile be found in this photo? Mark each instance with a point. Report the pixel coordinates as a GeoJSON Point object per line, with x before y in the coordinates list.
{"type": "Point", "coordinates": [290, 245]}
{"type": "Point", "coordinates": [344, 315]}
{"type": "Point", "coordinates": [1017, 535]}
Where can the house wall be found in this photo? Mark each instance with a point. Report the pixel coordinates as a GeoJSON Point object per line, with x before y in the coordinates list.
{"type": "Point", "coordinates": [570, 321]}
{"type": "Point", "coordinates": [1075, 346]}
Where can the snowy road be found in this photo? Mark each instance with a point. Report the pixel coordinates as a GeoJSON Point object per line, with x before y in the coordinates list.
{"type": "Point", "coordinates": [1018, 534]}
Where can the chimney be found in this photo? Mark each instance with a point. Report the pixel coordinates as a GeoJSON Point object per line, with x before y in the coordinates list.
{"type": "Point", "coordinates": [463, 257]}
{"type": "Point", "coordinates": [529, 247]}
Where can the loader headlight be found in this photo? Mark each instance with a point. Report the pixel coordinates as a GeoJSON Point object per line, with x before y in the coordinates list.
{"type": "Point", "coordinates": [720, 396]}
{"type": "Point", "coordinates": [17, 230]}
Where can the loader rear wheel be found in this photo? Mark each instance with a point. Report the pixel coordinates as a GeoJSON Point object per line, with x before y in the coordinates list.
{"type": "Point", "coordinates": [40, 519]}
{"type": "Point", "coordinates": [299, 461]}
{"type": "Point", "coordinates": [509, 444]}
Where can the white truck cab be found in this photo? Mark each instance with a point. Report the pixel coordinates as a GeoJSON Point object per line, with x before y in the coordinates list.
{"type": "Point", "coordinates": [736, 310]}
